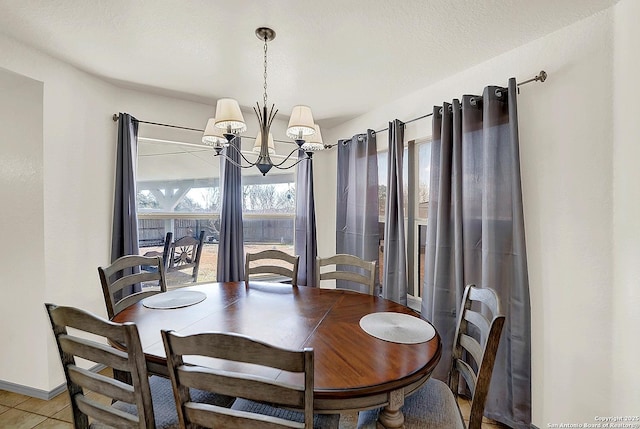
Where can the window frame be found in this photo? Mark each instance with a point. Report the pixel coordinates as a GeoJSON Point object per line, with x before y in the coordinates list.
{"type": "Point", "coordinates": [412, 220]}
{"type": "Point", "coordinates": [209, 182]}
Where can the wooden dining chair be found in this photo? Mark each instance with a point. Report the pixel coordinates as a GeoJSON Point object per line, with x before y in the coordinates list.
{"type": "Point", "coordinates": [279, 263]}
{"type": "Point", "coordinates": [347, 267]}
{"type": "Point", "coordinates": [252, 390]}
{"type": "Point", "coordinates": [127, 271]}
{"type": "Point", "coordinates": [85, 387]}
{"type": "Point", "coordinates": [97, 400]}
{"type": "Point", "coordinates": [477, 337]}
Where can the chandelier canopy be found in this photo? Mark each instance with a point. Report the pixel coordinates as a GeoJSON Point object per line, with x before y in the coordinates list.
{"type": "Point", "coordinates": [229, 122]}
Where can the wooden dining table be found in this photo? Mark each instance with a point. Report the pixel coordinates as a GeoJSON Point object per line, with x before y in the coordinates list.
{"type": "Point", "coordinates": [353, 370]}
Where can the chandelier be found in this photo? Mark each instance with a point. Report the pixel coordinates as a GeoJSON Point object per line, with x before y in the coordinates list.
{"type": "Point", "coordinates": [229, 122]}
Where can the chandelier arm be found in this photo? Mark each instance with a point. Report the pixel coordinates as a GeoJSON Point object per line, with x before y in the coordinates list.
{"type": "Point", "coordinates": [251, 164]}
{"type": "Point", "coordinates": [234, 162]}
{"type": "Point", "coordinates": [286, 159]}
{"type": "Point", "coordinates": [290, 166]}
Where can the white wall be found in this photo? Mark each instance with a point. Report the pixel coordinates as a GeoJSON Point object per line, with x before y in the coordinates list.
{"type": "Point", "coordinates": [626, 211]}
{"type": "Point", "coordinates": [77, 156]}
{"type": "Point", "coordinates": [22, 259]}
{"type": "Point", "coordinates": [567, 173]}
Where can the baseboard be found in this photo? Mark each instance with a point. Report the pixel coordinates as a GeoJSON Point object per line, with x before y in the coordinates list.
{"type": "Point", "coordinates": [31, 391]}
{"type": "Point", "coordinates": [39, 393]}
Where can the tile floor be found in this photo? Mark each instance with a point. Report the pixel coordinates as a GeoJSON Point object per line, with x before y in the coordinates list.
{"type": "Point", "coordinates": [24, 412]}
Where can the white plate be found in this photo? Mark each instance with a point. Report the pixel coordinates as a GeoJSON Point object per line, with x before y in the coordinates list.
{"type": "Point", "coordinates": [174, 299]}
{"type": "Point", "coordinates": [397, 327]}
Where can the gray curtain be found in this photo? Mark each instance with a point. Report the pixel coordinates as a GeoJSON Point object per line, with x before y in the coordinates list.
{"type": "Point", "coordinates": [124, 234]}
{"type": "Point", "coordinates": [475, 235]}
{"type": "Point", "coordinates": [231, 242]}
{"type": "Point", "coordinates": [306, 239]}
{"type": "Point", "coordinates": [357, 201]}
{"type": "Point", "coordinates": [394, 282]}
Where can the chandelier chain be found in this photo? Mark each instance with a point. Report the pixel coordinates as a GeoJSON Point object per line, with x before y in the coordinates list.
{"type": "Point", "coordinates": [265, 72]}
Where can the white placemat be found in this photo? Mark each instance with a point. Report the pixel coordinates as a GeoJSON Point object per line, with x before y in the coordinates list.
{"type": "Point", "coordinates": [397, 327]}
{"type": "Point", "coordinates": [174, 299]}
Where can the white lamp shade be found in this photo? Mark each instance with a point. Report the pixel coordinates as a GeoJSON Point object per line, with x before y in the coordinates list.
{"type": "Point", "coordinates": [258, 145]}
{"type": "Point", "coordinates": [314, 142]}
{"type": "Point", "coordinates": [300, 122]}
{"type": "Point", "coordinates": [213, 135]}
{"type": "Point", "coordinates": [229, 116]}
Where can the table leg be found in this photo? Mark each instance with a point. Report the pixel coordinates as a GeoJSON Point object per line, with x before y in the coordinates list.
{"type": "Point", "coordinates": [348, 420]}
{"type": "Point", "coordinates": [391, 416]}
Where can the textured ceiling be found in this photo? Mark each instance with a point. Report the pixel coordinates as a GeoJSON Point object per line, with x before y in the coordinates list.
{"type": "Point", "coordinates": [339, 56]}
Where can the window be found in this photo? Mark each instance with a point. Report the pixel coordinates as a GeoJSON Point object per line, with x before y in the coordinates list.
{"type": "Point", "coordinates": [415, 173]}
{"type": "Point", "coordinates": [268, 210]}
{"type": "Point", "coordinates": [421, 209]}
{"type": "Point", "coordinates": [179, 191]}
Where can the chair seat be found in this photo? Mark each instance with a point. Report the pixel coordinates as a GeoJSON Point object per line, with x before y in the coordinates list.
{"type": "Point", "coordinates": [164, 404]}
{"type": "Point", "coordinates": [432, 406]}
{"type": "Point", "coordinates": [320, 421]}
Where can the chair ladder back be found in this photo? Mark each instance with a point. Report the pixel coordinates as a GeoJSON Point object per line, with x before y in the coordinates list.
{"type": "Point", "coordinates": [270, 268]}
{"type": "Point", "coordinates": [488, 297]}
{"type": "Point", "coordinates": [485, 372]}
{"type": "Point", "coordinates": [129, 261]}
{"type": "Point", "coordinates": [132, 299]}
{"type": "Point", "coordinates": [203, 417]}
{"type": "Point", "coordinates": [140, 277]}
{"type": "Point", "coordinates": [244, 386]}
{"type": "Point", "coordinates": [104, 414]}
{"type": "Point", "coordinates": [479, 320]}
{"type": "Point", "coordinates": [109, 299]}
{"type": "Point", "coordinates": [105, 385]}
{"type": "Point", "coordinates": [95, 352]}
{"type": "Point", "coordinates": [181, 392]}
{"type": "Point", "coordinates": [79, 379]}
{"type": "Point", "coordinates": [237, 349]}
{"type": "Point", "coordinates": [126, 271]}
{"type": "Point", "coordinates": [483, 351]}
{"type": "Point", "coordinates": [367, 267]}
{"type": "Point", "coordinates": [345, 275]}
{"type": "Point", "coordinates": [472, 347]}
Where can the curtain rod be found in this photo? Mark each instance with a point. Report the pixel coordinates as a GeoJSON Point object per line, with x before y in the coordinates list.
{"type": "Point", "coordinates": [115, 119]}
{"type": "Point", "coordinates": [542, 76]}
